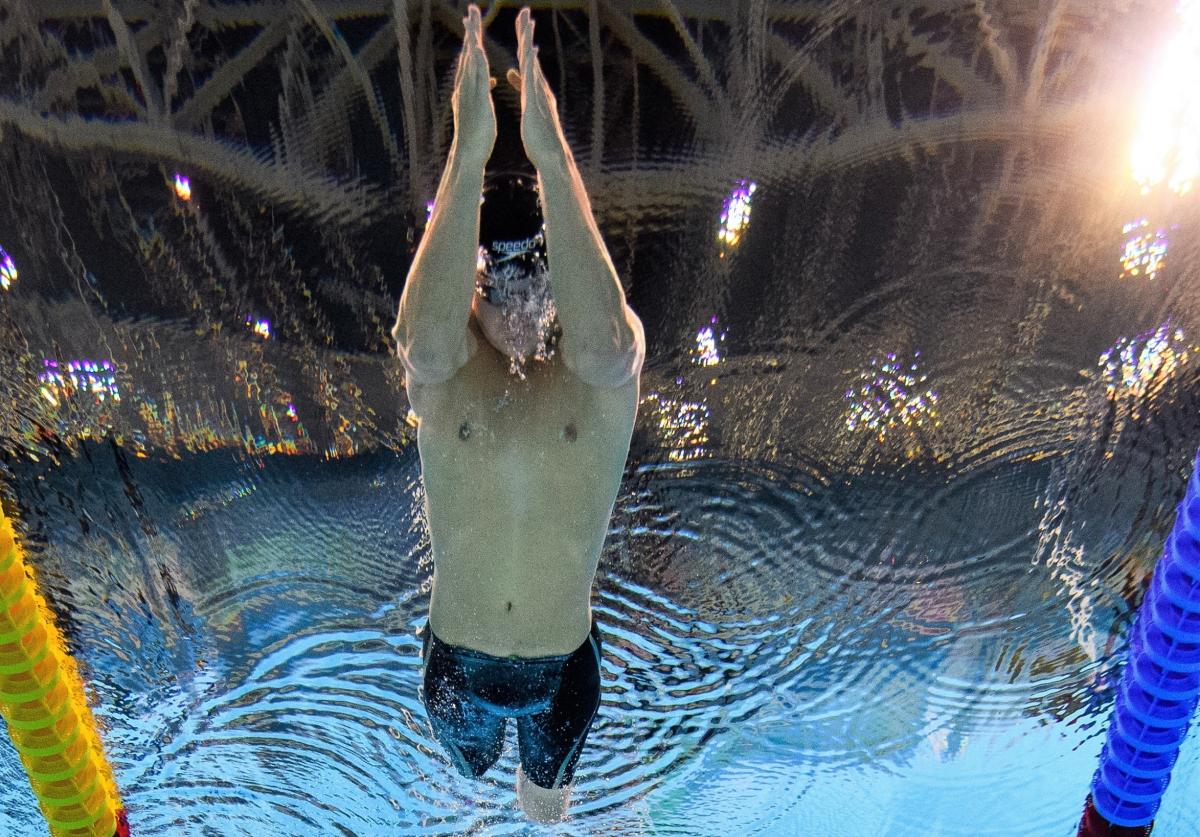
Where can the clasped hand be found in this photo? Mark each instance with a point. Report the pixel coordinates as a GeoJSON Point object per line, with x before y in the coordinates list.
{"type": "Point", "coordinates": [474, 113]}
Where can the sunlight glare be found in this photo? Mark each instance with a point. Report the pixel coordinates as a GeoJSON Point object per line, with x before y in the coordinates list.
{"type": "Point", "coordinates": [1166, 148]}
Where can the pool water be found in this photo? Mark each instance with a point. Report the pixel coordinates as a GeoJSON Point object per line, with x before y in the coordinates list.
{"type": "Point", "coordinates": [781, 654]}
{"type": "Point", "coordinates": [922, 392]}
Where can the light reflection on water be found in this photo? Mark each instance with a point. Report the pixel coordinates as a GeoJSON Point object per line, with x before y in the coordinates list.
{"type": "Point", "coordinates": [908, 443]}
{"type": "Point", "coordinates": [767, 637]}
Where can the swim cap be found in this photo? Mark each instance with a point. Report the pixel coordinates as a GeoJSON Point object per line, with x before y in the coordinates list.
{"type": "Point", "coordinates": [512, 236]}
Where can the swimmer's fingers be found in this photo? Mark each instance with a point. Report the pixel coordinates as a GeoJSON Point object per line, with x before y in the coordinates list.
{"type": "Point", "coordinates": [474, 114]}
{"type": "Point", "coordinates": [524, 39]}
{"type": "Point", "coordinates": [540, 129]}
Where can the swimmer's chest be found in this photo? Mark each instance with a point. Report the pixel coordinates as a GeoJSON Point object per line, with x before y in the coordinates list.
{"type": "Point", "coordinates": [488, 433]}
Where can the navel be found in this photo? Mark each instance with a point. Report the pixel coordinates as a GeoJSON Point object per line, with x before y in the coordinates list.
{"type": "Point", "coordinates": [570, 433]}
{"type": "Point", "coordinates": [509, 606]}
{"type": "Point", "coordinates": [464, 431]}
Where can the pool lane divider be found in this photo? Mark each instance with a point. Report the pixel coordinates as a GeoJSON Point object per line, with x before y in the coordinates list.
{"type": "Point", "coordinates": [42, 702]}
{"type": "Point", "coordinates": [1159, 687]}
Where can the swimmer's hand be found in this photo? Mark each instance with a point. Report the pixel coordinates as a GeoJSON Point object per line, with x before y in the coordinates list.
{"type": "Point", "coordinates": [540, 129]}
{"type": "Point", "coordinates": [474, 113]}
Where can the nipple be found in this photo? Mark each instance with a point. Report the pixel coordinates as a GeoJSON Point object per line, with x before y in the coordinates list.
{"type": "Point", "coordinates": [464, 431]}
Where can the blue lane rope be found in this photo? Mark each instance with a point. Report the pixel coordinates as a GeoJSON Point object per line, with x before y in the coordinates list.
{"type": "Point", "coordinates": [1161, 681]}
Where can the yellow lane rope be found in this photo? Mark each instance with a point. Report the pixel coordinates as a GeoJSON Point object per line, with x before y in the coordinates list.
{"type": "Point", "coordinates": [42, 701]}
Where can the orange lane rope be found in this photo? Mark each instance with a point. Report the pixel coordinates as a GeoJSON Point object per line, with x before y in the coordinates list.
{"type": "Point", "coordinates": [43, 703]}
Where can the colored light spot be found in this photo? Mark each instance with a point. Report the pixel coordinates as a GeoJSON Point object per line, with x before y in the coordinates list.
{"type": "Point", "coordinates": [260, 327]}
{"type": "Point", "coordinates": [1145, 250]}
{"type": "Point", "coordinates": [78, 378]}
{"type": "Point", "coordinates": [1166, 148]}
{"type": "Point", "coordinates": [683, 425]}
{"type": "Point", "coordinates": [735, 216]}
{"type": "Point", "coordinates": [888, 395]}
{"type": "Point", "coordinates": [8, 270]}
{"type": "Point", "coordinates": [183, 187]}
{"type": "Point", "coordinates": [1134, 365]}
{"type": "Point", "coordinates": [707, 352]}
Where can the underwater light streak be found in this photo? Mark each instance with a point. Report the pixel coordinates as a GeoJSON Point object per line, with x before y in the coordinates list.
{"type": "Point", "coordinates": [168, 427]}
{"type": "Point", "coordinates": [183, 187]}
{"type": "Point", "coordinates": [1134, 364]}
{"type": "Point", "coordinates": [218, 500]}
{"type": "Point", "coordinates": [8, 270]}
{"type": "Point", "coordinates": [1166, 147]}
{"type": "Point", "coordinates": [886, 396]}
{"type": "Point", "coordinates": [707, 352]}
{"type": "Point", "coordinates": [77, 377]}
{"type": "Point", "coordinates": [735, 217]}
{"type": "Point", "coordinates": [1145, 250]}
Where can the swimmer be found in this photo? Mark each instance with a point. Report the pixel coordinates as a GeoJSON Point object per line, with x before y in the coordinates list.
{"type": "Point", "coordinates": [522, 361]}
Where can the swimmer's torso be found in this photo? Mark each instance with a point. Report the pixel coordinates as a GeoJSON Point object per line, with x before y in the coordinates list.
{"type": "Point", "coordinates": [520, 480]}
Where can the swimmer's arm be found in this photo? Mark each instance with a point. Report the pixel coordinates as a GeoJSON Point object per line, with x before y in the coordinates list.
{"type": "Point", "coordinates": [431, 333]}
{"type": "Point", "coordinates": [603, 342]}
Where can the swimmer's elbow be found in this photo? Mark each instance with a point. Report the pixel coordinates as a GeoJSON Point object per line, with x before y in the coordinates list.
{"type": "Point", "coordinates": [610, 367]}
{"type": "Point", "coordinates": [607, 369]}
{"type": "Point", "coordinates": [425, 370]}
{"type": "Point", "coordinates": [430, 362]}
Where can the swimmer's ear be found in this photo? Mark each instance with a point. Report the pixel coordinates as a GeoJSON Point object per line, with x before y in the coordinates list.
{"type": "Point", "coordinates": [514, 78]}
{"type": "Point", "coordinates": [491, 84]}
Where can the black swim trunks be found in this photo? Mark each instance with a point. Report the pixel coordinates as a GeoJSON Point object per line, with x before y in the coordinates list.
{"type": "Point", "coordinates": [470, 696]}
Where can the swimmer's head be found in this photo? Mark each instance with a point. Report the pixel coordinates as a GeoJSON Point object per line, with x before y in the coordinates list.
{"type": "Point", "coordinates": [512, 302]}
